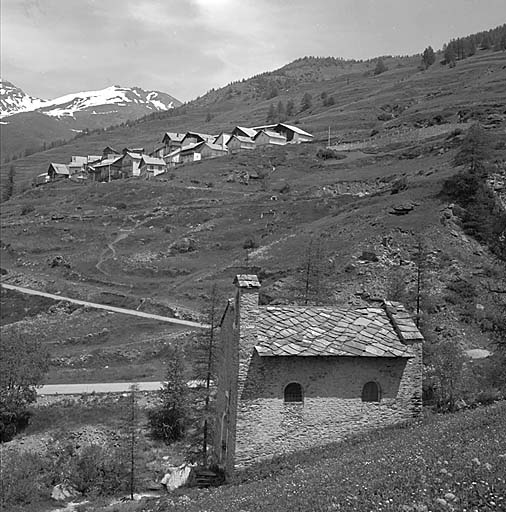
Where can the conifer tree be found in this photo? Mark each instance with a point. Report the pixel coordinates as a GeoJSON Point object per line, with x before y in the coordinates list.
{"type": "Point", "coordinates": [306, 102]}
{"type": "Point", "coordinates": [428, 57]}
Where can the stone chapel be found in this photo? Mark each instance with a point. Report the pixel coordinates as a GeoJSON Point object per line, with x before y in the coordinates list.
{"type": "Point", "coordinates": [294, 377]}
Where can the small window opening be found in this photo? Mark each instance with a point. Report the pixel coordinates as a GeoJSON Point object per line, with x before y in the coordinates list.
{"type": "Point", "coordinates": [293, 392]}
{"type": "Point", "coordinates": [371, 392]}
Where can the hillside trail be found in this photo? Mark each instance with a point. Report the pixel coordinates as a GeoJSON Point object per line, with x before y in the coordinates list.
{"type": "Point", "coordinates": [110, 252]}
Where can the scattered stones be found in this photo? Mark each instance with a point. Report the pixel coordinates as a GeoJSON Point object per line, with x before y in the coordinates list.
{"type": "Point", "coordinates": [59, 261]}
{"type": "Point", "coordinates": [184, 245]}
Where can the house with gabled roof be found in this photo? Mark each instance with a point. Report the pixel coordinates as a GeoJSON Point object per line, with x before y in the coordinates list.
{"type": "Point", "coordinates": [293, 134]}
{"type": "Point", "coordinates": [109, 152]}
{"type": "Point", "coordinates": [242, 131]}
{"type": "Point", "coordinates": [222, 139]}
{"type": "Point", "coordinates": [172, 140]}
{"type": "Point", "coordinates": [130, 163]}
{"type": "Point", "coordinates": [296, 377]}
{"type": "Point", "coordinates": [107, 169]}
{"type": "Point", "coordinates": [238, 143]}
{"type": "Point", "coordinates": [150, 166]}
{"type": "Point", "coordinates": [196, 137]}
{"type": "Point", "coordinates": [201, 151]}
{"type": "Point", "coordinates": [57, 171]}
{"type": "Point", "coordinates": [266, 136]}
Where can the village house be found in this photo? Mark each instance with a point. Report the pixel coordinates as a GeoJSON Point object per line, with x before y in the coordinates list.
{"type": "Point", "coordinates": [293, 134]}
{"type": "Point", "coordinates": [150, 166]}
{"type": "Point", "coordinates": [109, 153]}
{"type": "Point", "coordinates": [295, 377]}
{"type": "Point", "coordinates": [201, 151]}
{"type": "Point", "coordinates": [242, 131]}
{"type": "Point", "coordinates": [57, 171]}
{"type": "Point", "coordinates": [77, 164]}
{"type": "Point", "coordinates": [172, 141]}
{"type": "Point", "coordinates": [108, 169]}
{"type": "Point", "coordinates": [195, 138]}
{"type": "Point", "coordinates": [130, 164]}
{"type": "Point", "coordinates": [173, 158]}
{"type": "Point", "coordinates": [238, 143]}
{"type": "Point", "coordinates": [265, 136]}
{"type": "Point", "coordinates": [222, 139]}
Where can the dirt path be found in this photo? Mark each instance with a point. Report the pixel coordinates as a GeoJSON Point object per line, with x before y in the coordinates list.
{"type": "Point", "coordinates": [114, 309]}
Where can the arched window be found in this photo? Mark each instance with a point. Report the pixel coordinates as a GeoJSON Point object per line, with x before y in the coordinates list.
{"type": "Point", "coordinates": [293, 392]}
{"type": "Point", "coordinates": [371, 392]}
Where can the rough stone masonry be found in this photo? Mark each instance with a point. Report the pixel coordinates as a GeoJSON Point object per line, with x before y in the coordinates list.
{"type": "Point", "coordinates": [293, 377]}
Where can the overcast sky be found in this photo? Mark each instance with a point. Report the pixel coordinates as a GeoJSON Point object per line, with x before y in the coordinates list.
{"type": "Point", "coordinates": [186, 47]}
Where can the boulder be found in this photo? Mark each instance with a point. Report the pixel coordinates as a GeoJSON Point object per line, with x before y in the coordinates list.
{"type": "Point", "coordinates": [62, 492]}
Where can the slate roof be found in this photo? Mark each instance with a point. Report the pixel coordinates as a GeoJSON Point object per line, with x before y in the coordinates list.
{"type": "Point", "coordinates": [59, 168]}
{"type": "Point", "coordinates": [249, 132]}
{"type": "Point", "coordinates": [108, 161]}
{"type": "Point", "coordinates": [247, 281]}
{"type": "Point", "coordinates": [241, 139]}
{"type": "Point", "coordinates": [176, 137]}
{"type": "Point", "coordinates": [151, 160]}
{"type": "Point", "coordinates": [294, 129]}
{"type": "Point", "coordinates": [320, 331]}
{"type": "Point", "coordinates": [272, 134]}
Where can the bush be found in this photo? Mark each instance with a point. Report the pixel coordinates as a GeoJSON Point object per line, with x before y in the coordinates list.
{"type": "Point", "coordinates": [168, 425]}
{"type": "Point", "coordinates": [98, 471]}
{"type": "Point", "coordinates": [26, 478]}
{"type": "Point", "coordinates": [380, 67]}
{"type": "Point", "coordinates": [327, 154]}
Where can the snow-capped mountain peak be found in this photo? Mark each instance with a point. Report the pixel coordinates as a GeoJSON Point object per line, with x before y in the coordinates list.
{"type": "Point", "coordinates": [13, 100]}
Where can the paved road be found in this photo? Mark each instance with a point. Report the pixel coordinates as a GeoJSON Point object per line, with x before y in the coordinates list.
{"type": "Point", "coordinates": [105, 387]}
{"type": "Point", "coordinates": [113, 309]}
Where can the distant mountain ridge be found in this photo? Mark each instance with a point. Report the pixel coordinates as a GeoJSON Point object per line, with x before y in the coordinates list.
{"type": "Point", "coordinates": [29, 124]}
{"type": "Point", "coordinates": [14, 100]}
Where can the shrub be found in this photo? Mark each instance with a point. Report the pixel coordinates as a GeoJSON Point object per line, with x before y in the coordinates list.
{"type": "Point", "coordinates": [26, 478]}
{"type": "Point", "coordinates": [327, 154]}
{"type": "Point", "coordinates": [380, 67]}
{"type": "Point", "coordinates": [98, 471]}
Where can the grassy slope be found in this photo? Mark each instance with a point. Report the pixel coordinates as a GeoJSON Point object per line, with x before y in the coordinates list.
{"type": "Point", "coordinates": [460, 459]}
{"type": "Point", "coordinates": [117, 237]}
{"type": "Point", "coordinates": [359, 97]}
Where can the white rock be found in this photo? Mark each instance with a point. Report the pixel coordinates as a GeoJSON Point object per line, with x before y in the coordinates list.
{"type": "Point", "coordinates": [176, 477]}
{"type": "Point", "coordinates": [62, 492]}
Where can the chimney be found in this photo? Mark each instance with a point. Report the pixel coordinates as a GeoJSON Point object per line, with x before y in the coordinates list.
{"type": "Point", "coordinates": [246, 316]}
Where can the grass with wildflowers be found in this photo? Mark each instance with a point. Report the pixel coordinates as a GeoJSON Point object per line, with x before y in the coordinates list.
{"type": "Point", "coordinates": [440, 463]}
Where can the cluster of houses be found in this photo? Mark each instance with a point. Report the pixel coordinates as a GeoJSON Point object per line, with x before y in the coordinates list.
{"type": "Point", "coordinates": [175, 149]}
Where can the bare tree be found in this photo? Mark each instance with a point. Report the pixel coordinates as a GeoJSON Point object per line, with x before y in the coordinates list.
{"type": "Point", "coordinates": [205, 367]}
